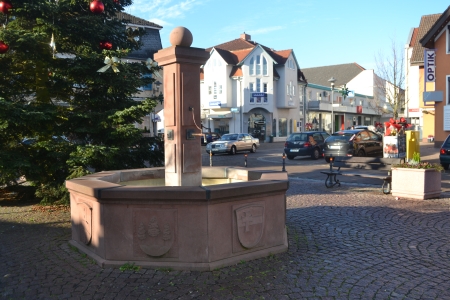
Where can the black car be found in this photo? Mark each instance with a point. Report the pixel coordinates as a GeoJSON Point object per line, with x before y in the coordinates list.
{"type": "Point", "coordinates": [355, 142]}
{"type": "Point", "coordinates": [309, 143]}
{"type": "Point", "coordinates": [209, 137]}
{"type": "Point", "coordinates": [444, 153]}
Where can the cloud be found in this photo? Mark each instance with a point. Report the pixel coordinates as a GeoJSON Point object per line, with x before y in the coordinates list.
{"type": "Point", "coordinates": [160, 22]}
{"type": "Point", "coordinates": [265, 30]}
{"type": "Point", "coordinates": [162, 9]}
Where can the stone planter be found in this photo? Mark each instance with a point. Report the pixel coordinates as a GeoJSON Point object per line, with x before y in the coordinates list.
{"type": "Point", "coordinates": [416, 183]}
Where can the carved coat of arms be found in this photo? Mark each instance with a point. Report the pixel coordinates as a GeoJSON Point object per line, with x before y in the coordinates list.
{"type": "Point", "coordinates": [250, 224]}
{"type": "Point", "coordinates": [83, 226]}
{"type": "Point", "coordinates": [155, 237]}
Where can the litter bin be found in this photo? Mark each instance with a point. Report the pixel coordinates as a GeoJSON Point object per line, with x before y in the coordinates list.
{"type": "Point", "coordinates": [270, 139]}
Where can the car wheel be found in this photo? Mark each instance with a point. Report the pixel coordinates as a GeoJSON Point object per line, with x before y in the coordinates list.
{"type": "Point", "coordinates": [315, 154]}
{"type": "Point", "coordinates": [290, 157]}
{"type": "Point", "coordinates": [445, 166]}
{"type": "Point", "coordinates": [361, 153]}
{"type": "Point", "coordinates": [233, 150]}
{"type": "Point", "coordinates": [253, 150]}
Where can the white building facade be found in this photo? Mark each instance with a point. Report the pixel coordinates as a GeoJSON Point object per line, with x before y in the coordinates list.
{"type": "Point", "coordinates": [247, 87]}
{"type": "Point", "coordinates": [359, 107]}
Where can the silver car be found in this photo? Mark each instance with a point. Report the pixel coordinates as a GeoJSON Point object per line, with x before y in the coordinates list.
{"type": "Point", "coordinates": [232, 143]}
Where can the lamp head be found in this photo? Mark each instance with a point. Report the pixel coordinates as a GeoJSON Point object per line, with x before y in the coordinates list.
{"type": "Point", "coordinates": [332, 80]}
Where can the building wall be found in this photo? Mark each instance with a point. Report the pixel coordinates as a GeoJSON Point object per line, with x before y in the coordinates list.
{"type": "Point", "coordinates": [442, 71]}
{"type": "Point", "coordinates": [363, 83]}
{"type": "Point", "coordinates": [236, 94]}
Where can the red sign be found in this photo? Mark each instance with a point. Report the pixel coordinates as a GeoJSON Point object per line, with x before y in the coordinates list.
{"type": "Point", "coordinates": [359, 109]}
{"type": "Point", "coordinates": [414, 110]}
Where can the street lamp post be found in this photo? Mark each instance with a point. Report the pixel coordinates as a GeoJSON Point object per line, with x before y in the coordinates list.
{"type": "Point", "coordinates": [332, 80]}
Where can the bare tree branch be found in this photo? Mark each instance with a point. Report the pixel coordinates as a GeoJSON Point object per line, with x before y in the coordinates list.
{"type": "Point", "coordinates": [389, 83]}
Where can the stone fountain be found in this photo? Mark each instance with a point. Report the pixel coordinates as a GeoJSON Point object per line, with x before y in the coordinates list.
{"type": "Point", "coordinates": [182, 216]}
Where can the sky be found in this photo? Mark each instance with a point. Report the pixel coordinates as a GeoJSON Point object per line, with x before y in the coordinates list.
{"type": "Point", "coordinates": [321, 32]}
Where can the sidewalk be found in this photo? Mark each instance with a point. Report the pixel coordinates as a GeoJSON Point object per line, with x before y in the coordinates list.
{"type": "Point", "coordinates": [352, 242]}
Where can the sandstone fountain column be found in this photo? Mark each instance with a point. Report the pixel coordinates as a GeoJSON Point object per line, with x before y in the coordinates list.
{"type": "Point", "coordinates": [181, 64]}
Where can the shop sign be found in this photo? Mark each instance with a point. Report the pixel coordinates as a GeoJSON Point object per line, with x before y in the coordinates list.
{"type": "Point", "coordinates": [259, 95]}
{"type": "Point", "coordinates": [215, 103]}
{"type": "Point", "coordinates": [430, 65]}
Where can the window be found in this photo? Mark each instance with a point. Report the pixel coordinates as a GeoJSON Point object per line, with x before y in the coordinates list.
{"type": "Point", "coordinates": [287, 89]}
{"type": "Point", "coordinates": [250, 88]}
{"type": "Point", "coordinates": [282, 127]}
{"type": "Point", "coordinates": [258, 65]}
{"type": "Point", "coordinates": [258, 85]}
{"type": "Point", "coordinates": [220, 89]}
{"type": "Point", "coordinates": [265, 71]}
{"type": "Point", "coordinates": [215, 88]}
{"type": "Point", "coordinates": [274, 127]}
{"type": "Point", "coordinates": [292, 89]}
{"type": "Point", "coordinates": [448, 39]}
{"type": "Point", "coordinates": [319, 96]}
{"type": "Point", "coordinates": [265, 87]}
{"type": "Point", "coordinates": [251, 70]}
{"type": "Point", "coordinates": [209, 90]}
{"type": "Point", "coordinates": [147, 87]}
{"type": "Point", "coordinates": [309, 95]}
{"type": "Point", "coordinates": [448, 89]}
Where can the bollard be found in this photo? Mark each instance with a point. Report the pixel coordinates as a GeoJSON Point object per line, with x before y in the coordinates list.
{"type": "Point", "coordinates": [210, 158]}
{"type": "Point", "coordinates": [284, 163]}
{"type": "Point", "coordinates": [245, 162]}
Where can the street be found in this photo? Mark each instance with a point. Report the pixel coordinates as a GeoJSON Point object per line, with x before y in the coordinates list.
{"type": "Point", "coordinates": [269, 156]}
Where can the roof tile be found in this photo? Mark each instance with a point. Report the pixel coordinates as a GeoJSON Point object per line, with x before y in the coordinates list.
{"type": "Point", "coordinates": [426, 22]}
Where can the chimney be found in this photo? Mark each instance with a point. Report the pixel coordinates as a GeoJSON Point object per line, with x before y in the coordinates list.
{"type": "Point", "coordinates": [245, 37]}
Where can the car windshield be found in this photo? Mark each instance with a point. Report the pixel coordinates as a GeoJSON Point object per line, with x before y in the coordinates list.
{"type": "Point", "coordinates": [229, 137]}
{"type": "Point", "coordinates": [340, 137]}
{"type": "Point", "coordinates": [298, 137]}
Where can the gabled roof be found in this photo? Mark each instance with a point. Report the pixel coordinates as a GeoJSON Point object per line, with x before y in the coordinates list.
{"type": "Point", "coordinates": [342, 73]}
{"type": "Point", "coordinates": [236, 51]}
{"type": "Point", "coordinates": [237, 44]}
{"type": "Point", "coordinates": [151, 41]}
{"type": "Point", "coordinates": [427, 40]}
{"type": "Point", "coordinates": [426, 22]}
{"type": "Point", "coordinates": [130, 19]}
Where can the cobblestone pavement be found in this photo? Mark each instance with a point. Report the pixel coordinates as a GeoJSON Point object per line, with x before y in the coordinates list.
{"type": "Point", "coordinates": [347, 243]}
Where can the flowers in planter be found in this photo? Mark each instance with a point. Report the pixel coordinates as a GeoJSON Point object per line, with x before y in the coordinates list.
{"type": "Point", "coordinates": [416, 163]}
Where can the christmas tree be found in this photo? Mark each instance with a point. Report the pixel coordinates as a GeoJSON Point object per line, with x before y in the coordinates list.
{"type": "Point", "coordinates": [66, 93]}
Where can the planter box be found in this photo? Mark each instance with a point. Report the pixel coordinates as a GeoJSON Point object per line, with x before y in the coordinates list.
{"type": "Point", "coordinates": [416, 183]}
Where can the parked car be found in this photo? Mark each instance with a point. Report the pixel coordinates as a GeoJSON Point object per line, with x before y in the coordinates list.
{"type": "Point", "coordinates": [232, 143]}
{"type": "Point", "coordinates": [355, 142]}
{"type": "Point", "coordinates": [444, 154]}
{"type": "Point", "coordinates": [209, 137]}
{"type": "Point", "coordinates": [309, 143]}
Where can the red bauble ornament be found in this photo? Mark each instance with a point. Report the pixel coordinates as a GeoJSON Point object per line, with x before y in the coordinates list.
{"type": "Point", "coordinates": [3, 47]}
{"type": "Point", "coordinates": [97, 7]}
{"type": "Point", "coordinates": [5, 6]}
{"type": "Point", "coordinates": [106, 45]}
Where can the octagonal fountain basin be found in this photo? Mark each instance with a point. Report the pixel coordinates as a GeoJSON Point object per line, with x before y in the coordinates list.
{"type": "Point", "coordinates": [130, 216]}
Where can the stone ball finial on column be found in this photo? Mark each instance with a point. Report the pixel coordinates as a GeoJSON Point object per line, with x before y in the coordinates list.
{"type": "Point", "coordinates": [181, 36]}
